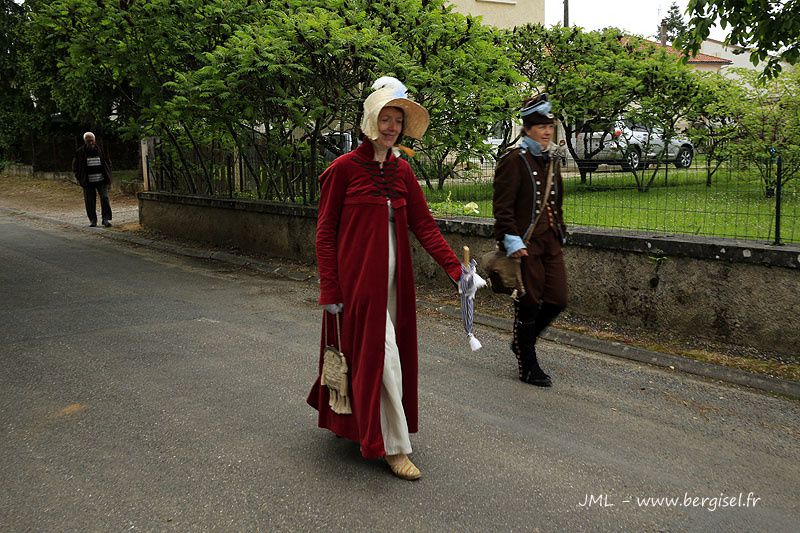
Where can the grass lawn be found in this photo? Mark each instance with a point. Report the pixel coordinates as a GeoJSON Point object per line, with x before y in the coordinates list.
{"type": "Point", "coordinates": [678, 201]}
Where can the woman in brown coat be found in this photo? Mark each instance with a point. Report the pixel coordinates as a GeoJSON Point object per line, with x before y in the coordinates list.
{"type": "Point", "coordinates": [528, 191]}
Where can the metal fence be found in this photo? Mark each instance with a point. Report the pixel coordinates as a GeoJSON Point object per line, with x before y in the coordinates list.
{"type": "Point", "coordinates": [744, 199]}
{"type": "Point", "coordinates": [248, 173]}
{"type": "Point", "coordinates": [734, 199]}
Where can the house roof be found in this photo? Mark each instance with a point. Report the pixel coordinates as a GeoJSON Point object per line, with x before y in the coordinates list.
{"type": "Point", "coordinates": [700, 58]}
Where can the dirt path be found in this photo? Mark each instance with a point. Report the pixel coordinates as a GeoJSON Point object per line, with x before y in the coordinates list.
{"type": "Point", "coordinates": [61, 200]}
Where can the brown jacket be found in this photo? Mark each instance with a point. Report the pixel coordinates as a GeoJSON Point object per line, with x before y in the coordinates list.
{"type": "Point", "coordinates": [514, 188]}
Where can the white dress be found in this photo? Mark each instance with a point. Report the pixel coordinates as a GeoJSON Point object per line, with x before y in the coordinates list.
{"type": "Point", "coordinates": [394, 427]}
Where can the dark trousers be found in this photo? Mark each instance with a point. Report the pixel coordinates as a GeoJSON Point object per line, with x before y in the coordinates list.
{"type": "Point", "coordinates": [534, 318]}
{"type": "Point", "coordinates": [544, 272]}
{"type": "Point", "coordinates": [90, 198]}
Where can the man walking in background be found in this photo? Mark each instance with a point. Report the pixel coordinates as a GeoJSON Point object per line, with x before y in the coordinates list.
{"type": "Point", "coordinates": [93, 171]}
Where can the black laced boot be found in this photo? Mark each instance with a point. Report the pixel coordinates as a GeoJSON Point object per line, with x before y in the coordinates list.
{"type": "Point", "coordinates": [524, 346]}
{"type": "Point", "coordinates": [515, 336]}
{"type": "Point", "coordinates": [532, 373]}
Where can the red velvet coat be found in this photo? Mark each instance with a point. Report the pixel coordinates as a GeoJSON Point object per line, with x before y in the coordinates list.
{"type": "Point", "coordinates": [353, 263]}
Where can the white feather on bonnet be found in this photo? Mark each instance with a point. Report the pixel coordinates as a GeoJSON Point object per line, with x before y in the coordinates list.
{"type": "Point", "coordinates": [390, 92]}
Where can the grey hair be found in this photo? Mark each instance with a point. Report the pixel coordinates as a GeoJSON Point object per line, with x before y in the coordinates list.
{"type": "Point", "coordinates": [87, 135]}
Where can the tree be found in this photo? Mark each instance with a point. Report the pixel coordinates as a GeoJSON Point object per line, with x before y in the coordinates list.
{"type": "Point", "coordinates": [714, 118]}
{"type": "Point", "coordinates": [93, 60]}
{"type": "Point", "coordinates": [278, 84]}
{"type": "Point", "coordinates": [770, 126]}
{"type": "Point", "coordinates": [305, 70]}
{"type": "Point", "coordinates": [456, 67]}
{"type": "Point", "coordinates": [16, 106]}
{"type": "Point", "coordinates": [674, 24]}
{"type": "Point", "coordinates": [270, 75]}
{"type": "Point", "coordinates": [594, 78]}
{"type": "Point", "coordinates": [769, 29]}
{"type": "Point", "coordinates": [585, 73]}
{"type": "Point", "coordinates": [668, 91]}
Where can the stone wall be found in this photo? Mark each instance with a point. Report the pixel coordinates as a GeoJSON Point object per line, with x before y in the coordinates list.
{"type": "Point", "coordinates": [734, 291]}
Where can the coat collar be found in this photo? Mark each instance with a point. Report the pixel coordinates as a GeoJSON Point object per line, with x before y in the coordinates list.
{"type": "Point", "coordinates": [366, 152]}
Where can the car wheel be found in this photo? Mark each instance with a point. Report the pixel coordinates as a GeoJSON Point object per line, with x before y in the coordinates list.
{"type": "Point", "coordinates": [684, 157]}
{"type": "Point", "coordinates": [633, 159]}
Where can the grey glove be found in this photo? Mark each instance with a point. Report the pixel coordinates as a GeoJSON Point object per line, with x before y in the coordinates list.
{"type": "Point", "coordinates": [334, 309]}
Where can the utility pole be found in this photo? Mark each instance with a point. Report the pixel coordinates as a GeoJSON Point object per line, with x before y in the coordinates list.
{"type": "Point", "coordinates": [566, 13]}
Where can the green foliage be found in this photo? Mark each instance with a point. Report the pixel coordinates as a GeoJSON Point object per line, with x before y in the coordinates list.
{"type": "Point", "coordinates": [273, 75]}
{"type": "Point", "coordinates": [668, 93]}
{"type": "Point", "coordinates": [753, 118]}
{"type": "Point", "coordinates": [454, 67]}
{"type": "Point", "coordinates": [674, 24]}
{"type": "Point", "coordinates": [769, 126]}
{"type": "Point", "coordinates": [587, 74]}
{"type": "Point", "coordinates": [268, 79]}
{"type": "Point", "coordinates": [595, 77]}
{"type": "Point", "coordinates": [770, 30]}
{"type": "Point", "coordinates": [714, 118]}
{"type": "Point", "coordinates": [16, 105]}
{"type": "Point", "coordinates": [281, 81]}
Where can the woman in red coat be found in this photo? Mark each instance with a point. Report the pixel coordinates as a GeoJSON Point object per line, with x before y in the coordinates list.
{"type": "Point", "coordinates": [369, 200]}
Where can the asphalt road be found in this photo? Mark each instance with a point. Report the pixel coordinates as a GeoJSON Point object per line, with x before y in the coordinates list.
{"type": "Point", "coordinates": [143, 391]}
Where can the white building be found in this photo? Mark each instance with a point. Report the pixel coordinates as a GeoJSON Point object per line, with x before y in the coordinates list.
{"type": "Point", "coordinates": [720, 49]}
{"type": "Point", "coordinates": [503, 13]}
{"type": "Point", "coordinates": [729, 52]}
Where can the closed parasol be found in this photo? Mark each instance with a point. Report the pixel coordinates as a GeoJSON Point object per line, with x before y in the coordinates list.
{"type": "Point", "coordinates": [468, 285]}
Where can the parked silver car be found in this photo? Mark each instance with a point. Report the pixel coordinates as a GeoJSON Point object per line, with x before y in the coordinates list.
{"type": "Point", "coordinates": [633, 147]}
{"type": "Point", "coordinates": [336, 143]}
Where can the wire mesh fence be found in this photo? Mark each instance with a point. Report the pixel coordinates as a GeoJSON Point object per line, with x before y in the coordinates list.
{"type": "Point", "coordinates": [741, 199]}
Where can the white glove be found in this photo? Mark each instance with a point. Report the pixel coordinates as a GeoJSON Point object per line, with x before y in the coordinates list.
{"type": "Point", "coordinates": [336, 308]}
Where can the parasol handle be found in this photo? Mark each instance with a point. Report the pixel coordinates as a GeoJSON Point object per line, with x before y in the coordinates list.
{"type": "Point", "coordinates": [466, 256]}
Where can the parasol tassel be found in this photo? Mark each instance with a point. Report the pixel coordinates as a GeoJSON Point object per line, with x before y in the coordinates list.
{"type": "Point", "coordinates": [474, 343]}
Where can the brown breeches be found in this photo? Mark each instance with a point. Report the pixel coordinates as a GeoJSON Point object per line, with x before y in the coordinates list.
{"type": "Point", "coordinates": [543, 271]}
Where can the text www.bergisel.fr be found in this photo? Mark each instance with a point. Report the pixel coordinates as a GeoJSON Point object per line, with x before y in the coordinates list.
{"type": "Point", "coordinates": [686, 501]}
